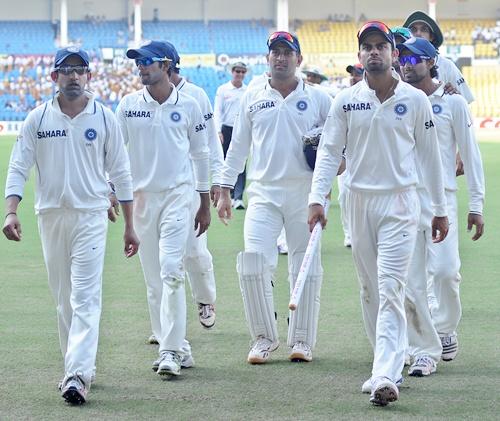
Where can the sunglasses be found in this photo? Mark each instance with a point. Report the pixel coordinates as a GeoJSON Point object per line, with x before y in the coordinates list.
{"type": "Point", "coordinates": [280, 35]}
{"type": "Point", "coordinates": [68, 70]}
{"type": "Point", "coordinates": [403, 60]}
{"type": "Point", "coordinates": [148, 61]}
{"type": "Point", "coordinates": [240, 71]}
{"type": "Point", "coordinates": [381, 26]}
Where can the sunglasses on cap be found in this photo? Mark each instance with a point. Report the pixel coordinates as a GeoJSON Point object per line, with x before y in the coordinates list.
{"type": "Point", "coordinates": [148, 61]}
{"type": "Point", "coordinates": [68, 70]}
{"type": "Point", "coordinates": [375, 24]}
{"type": "Point", "coordinates": [413, 60]}
{"type": "Point", "coordinates": [280, 35]}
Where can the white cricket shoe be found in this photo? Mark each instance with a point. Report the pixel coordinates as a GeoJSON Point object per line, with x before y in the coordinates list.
{"type": "Point", "coordinates": [384, 391]}
{"type": "Point", "coordinates": [367, 385]}
{"type": "Point", "coordinates": [423, 366]}
{"type": "Point", "coordinates": [186, 362]}
{"type": "Point", "coordinates": [206, 313]}
{"type": "Point", "coordinates": [238, 204]}
{"type": "Point", "coordinates": [170, 364]}
{"type": "Point", "coordinates": [261, 350]}
{"type": "Point", "coordinates": [301, 352]}
{"type": "Point", "coordinates": [450, 347]}
{"type": "Point", "coordinates": [73, 389]}
{"type": "Point", "coordinates": [152, 340]}
{"type": "Point", "coordinates": [347, 241]}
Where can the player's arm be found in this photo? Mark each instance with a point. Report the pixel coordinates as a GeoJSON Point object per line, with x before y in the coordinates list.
{"type": "Point", "coordinates": [218, 104]}
{"type": "Point", "coordinates": [21, 161]}
{"type": "Point", "coordinates": [130, 239]}
{"type": "Point", "coordinates": [328, 159]}
{"type": "Point", "coordinates": [429, 159]}
{"type": "Point", "coordinates": [236, 157]}
{"type": "Point", "coordinates": [199, 153]}
{"type": "Point", "coordinates": [463, 130]}
{"type": "Point", "coordinates": [461, 84]}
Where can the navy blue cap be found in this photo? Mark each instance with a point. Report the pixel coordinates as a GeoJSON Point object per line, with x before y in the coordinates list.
{"type": "Point", "coordinates": [285, 37]}
{"type": "Point", "coordinates": [156, 49]}
{"type": "Point", "coordinates": [376, 26]}
{"type": "Point", "coordinates": [63, 53]}
{"type": "Point", "coordinates": [419, 46]}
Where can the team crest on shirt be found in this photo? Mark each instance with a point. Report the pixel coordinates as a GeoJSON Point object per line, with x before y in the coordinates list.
{"type": "Point", "coordinates": [400, 109]}
{"type": "Point", "coordinates": [436, 109]}
{"type": "Point", "coordinates": [175, 117]}
{"type": "Point", "coordinates": [302, 105]}
{"type": "Point", "coordinates": [90, 134]}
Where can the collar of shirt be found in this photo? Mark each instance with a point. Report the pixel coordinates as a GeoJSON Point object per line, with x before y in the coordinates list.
{"type": "Point", "coordinates": [439, 91]}
{"type": "Point", "coordinates": [181, 84]}
{"type": "Point", "coordinates": [395, 75]}
{"type": "Point", "coordinates": [300, 88]}
{"type": "Point", "coordinates": [172, 99]}
{"type": "Point", "coordinates": [90, 108]}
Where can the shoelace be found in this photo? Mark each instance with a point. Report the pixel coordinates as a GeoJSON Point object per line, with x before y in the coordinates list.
{"type": "Point", "coordinates": [171, 356]}
{"type": "Point", "coordinates": [205, 311]}
{"type": "Point", "coordinates": [446, 341]}
{"type": "Point", "coordinates": [424, 360]}
{"type": "Point", "coordinates": [262, 344]}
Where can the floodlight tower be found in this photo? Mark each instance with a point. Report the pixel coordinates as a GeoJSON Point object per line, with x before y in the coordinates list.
{"type": "Point", "coordinates": [137, 22]}
{"type": "Point", "coordinates": [432, 8]}
{"type": "Point", "coordinates": [282, 15]}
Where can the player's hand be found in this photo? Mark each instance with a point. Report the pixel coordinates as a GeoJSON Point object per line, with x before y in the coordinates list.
{"type": "Point", "coordinates": [131, 242]}
{"type": "Point", "coordinates": [450, 89]}
{"type": "Point", "coordinates": [316, 214]}
{"type": "Point", "coordinates": [214, 195]}
{"type": "Point", "coordinates": [202, 219]}
{"type": "Point", "coordinates": [459, 166]}
{"type": "Point", "coordinates": [114, 207]}
{"type": "Point", "coordinates": [224, 206]}
{"type": "Point", "coordinates": [478, 221]}
{"type": "Point", "coordinates": [439, 228]}
{"type": "Point", "coordinates": [12, 227]}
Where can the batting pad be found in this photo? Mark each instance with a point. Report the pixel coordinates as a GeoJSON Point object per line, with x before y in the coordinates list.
{"type": "Point", "coordinates": [257, 293]}
{"type": "Point", "coordinates": [303, 324]}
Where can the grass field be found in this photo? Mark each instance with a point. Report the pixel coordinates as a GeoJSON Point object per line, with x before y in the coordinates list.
{"type": "Point", "coordinates": [223, 386]}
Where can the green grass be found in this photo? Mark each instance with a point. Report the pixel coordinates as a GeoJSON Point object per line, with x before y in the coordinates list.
{"type": "Point", "coordinates": [223, 386]}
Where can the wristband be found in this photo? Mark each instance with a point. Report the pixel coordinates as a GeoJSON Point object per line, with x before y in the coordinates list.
{"type": "Point", "coordinates": [10, 213]}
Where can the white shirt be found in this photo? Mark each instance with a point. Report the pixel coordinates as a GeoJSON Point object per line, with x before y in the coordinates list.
{"type": "Point", "coordinates": [216, 153]}
{"type": "Point", "coordinates": [71, 157]}
{"type": "Point", "coordinates": [449, 72]}
{"type": "Point", "coordinates": [384, 144]}
{"type": "Point", "coordinates": [455, 129]}
{"type": "Point", "coordinates": [270, 127]}
{"type": "Point", "coordinates": [227, 104]}
{"type": "Point", "coordinates": [162, 138]}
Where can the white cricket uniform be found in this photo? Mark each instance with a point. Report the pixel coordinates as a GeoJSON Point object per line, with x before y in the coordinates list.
{"type": "Point", "coordinates": [198, 260]}
{"type": "Point", "coordinates": [455, 130]}
{"type": "Point", "coordinates": [162, 140]}
{"type": "Point", "coordinates": [449, 72]}
{"type": "Point", "coordinates": [227, 104]}
{"type": "Point", "coordinates": [270, 128]}
{"type": "Point", "coordinates": [71, 157]}
{"type": "Point", "coordinates": [385, 144]}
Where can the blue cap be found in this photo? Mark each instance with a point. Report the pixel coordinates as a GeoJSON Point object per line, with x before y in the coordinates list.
{"type": "Point", "coordinates": [286, 38]}
{"type": "Point", "coordinates": [63, 53]}
{"type": "Point", "coordinates": [419, 46]}
{"type": "Point", "coordinates": [156, 49]}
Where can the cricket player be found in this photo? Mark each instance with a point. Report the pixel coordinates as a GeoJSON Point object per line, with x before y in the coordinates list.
{"type": "Point", "coordinates": [198, 259]}
{"type": "Point", "coordinates": [423, 26]}
{"type": "Point", "coordinates": [442, 262]}
{"type": "Point", "coordinates": [165, 133]}
{"type": "Point", "coordinates": [72, 141]}
{"type": "Point", "coordinates": [389, 137]}
{"type": "Point", "coordinates": [270, 126]}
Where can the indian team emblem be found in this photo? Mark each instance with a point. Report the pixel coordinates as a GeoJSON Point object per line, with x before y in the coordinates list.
{"type": "Point", "coordinates": [90, 134]}
{"type": "Point", "coordinates": [400, 109]}
{"type": "Point", "coordinates": [436, 108]}
{"type": "Point", "coordinates": [302, 105]}
{"type": "Point", "coordinates": [175, 116]}
{"type": "Point", "coordinates": [73, 49]}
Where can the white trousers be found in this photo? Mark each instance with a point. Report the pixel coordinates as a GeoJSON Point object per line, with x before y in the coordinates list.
{"type": "Point", "coordinates": [383, 230]}
{"type": "Point", "coordinates": [270, 208]}
{"type": "Point", "coordinates": [162, 222]}
{"type": "Point", "coordinates": [198, 261]}
{"type": "Point", "coordinates": [73, 244]}
{"type": "Point", "coordinates": [444, 277]}
{"type": "Point", "coordinates": [422, 336]}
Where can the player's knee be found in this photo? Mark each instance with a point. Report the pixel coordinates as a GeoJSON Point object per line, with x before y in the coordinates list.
{"type": "Point", "coordinates": [446, 272]}
{"type": "Point", "coordinates": [198, 263]}
{"type": "Point", "coordinates": [251, 265]}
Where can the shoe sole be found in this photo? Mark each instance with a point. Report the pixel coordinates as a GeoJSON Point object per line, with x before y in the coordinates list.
{"type": "Point", "coordinates": [384, 395]}
{"type": "Point", "coordinates": [166, 372]}
{"type": "Point", "coordinates": [149, 342]}
{"type": "Point", "coordinates": [207, 326]}
{"type": "Point", "coordinates": [73, 397]}
{"type": "Point", "coordinates": [297, 357]}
